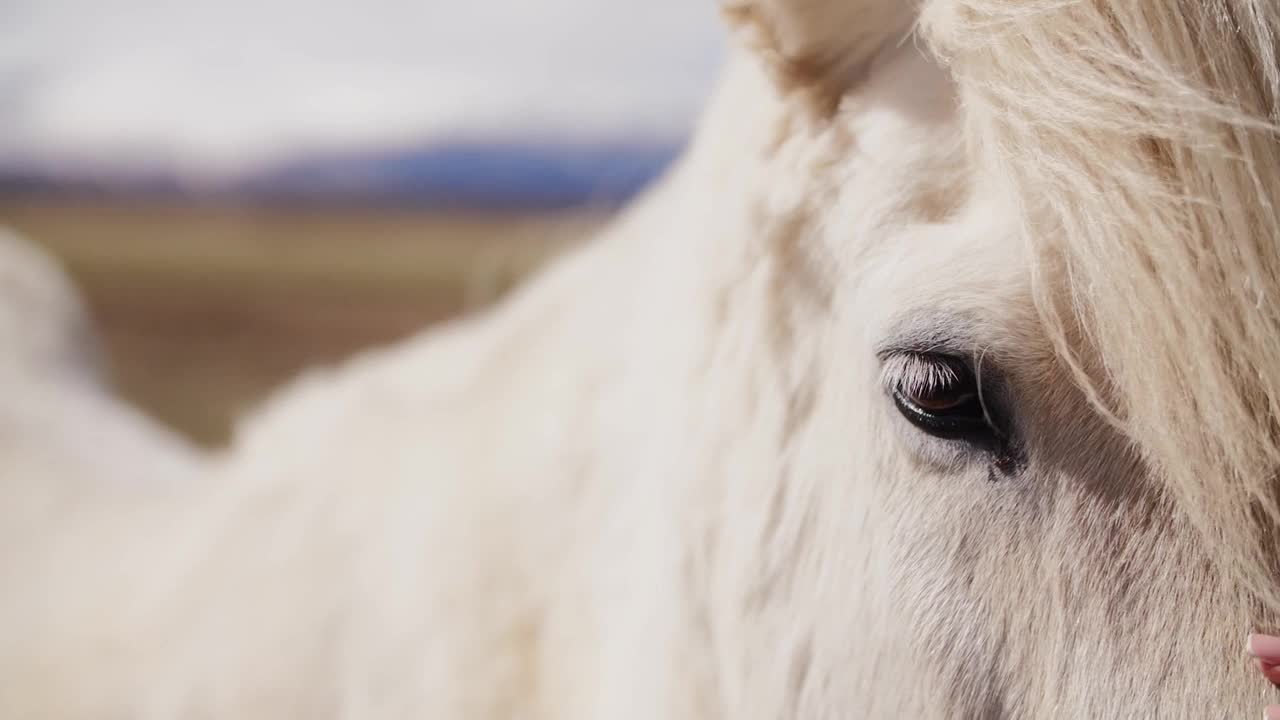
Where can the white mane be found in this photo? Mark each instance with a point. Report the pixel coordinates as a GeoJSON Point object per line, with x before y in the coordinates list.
{"type": "Point", "coordinates": [668, 479]}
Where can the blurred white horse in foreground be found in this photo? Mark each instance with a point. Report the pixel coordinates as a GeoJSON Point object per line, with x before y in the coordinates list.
{"type": "Point", "coordinates": [940, 378]}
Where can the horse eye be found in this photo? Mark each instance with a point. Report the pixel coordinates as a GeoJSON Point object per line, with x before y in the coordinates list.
{"type": "Point", "coordinates": [940, 395]}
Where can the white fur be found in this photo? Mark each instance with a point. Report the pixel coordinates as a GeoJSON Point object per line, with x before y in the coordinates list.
{"type": "Point", "coordinates": [43, 324]}
{"type": "Point", "coordinates": [664, 480]}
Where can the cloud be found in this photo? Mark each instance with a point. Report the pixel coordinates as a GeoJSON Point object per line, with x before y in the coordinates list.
{"type": "Point", "coordinates": [219, 85]}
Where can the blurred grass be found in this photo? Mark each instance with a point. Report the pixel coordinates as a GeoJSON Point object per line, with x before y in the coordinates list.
{"type": "Point", "coordinates": [204, 309]}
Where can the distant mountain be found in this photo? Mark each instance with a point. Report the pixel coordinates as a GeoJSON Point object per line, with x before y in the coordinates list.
{"type": "Point", "coordinates": [459, 175]}
{"type": "Point", "coordinates": [471, 174]}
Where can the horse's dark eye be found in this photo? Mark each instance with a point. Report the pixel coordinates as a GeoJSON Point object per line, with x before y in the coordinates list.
{"type": "Point", "coordinates": [940, 395]}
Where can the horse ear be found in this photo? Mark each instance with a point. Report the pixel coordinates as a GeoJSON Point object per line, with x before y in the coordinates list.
{"type": "Point", "coordinates": [819, 48]}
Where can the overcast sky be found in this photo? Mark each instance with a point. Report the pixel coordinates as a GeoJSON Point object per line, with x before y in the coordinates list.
{"type": "Point", "coordinates": [215, 84]}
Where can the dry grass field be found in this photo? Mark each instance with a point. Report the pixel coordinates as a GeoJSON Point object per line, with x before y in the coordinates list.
{"type": "Point", "coordinates": [204, 309]}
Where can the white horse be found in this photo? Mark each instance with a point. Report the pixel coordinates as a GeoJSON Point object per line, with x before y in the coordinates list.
{"type": "Point", "coordinates": [940, 378]}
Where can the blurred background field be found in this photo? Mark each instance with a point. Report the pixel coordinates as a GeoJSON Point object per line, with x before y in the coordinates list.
{"type": "Point", "coordinates": [204, 309]}
{"type": "Point", "coordinates": [243, 188]}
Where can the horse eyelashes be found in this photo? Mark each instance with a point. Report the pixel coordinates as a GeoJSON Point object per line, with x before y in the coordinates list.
{"type": "Point", "coordinates": [943, 397]}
